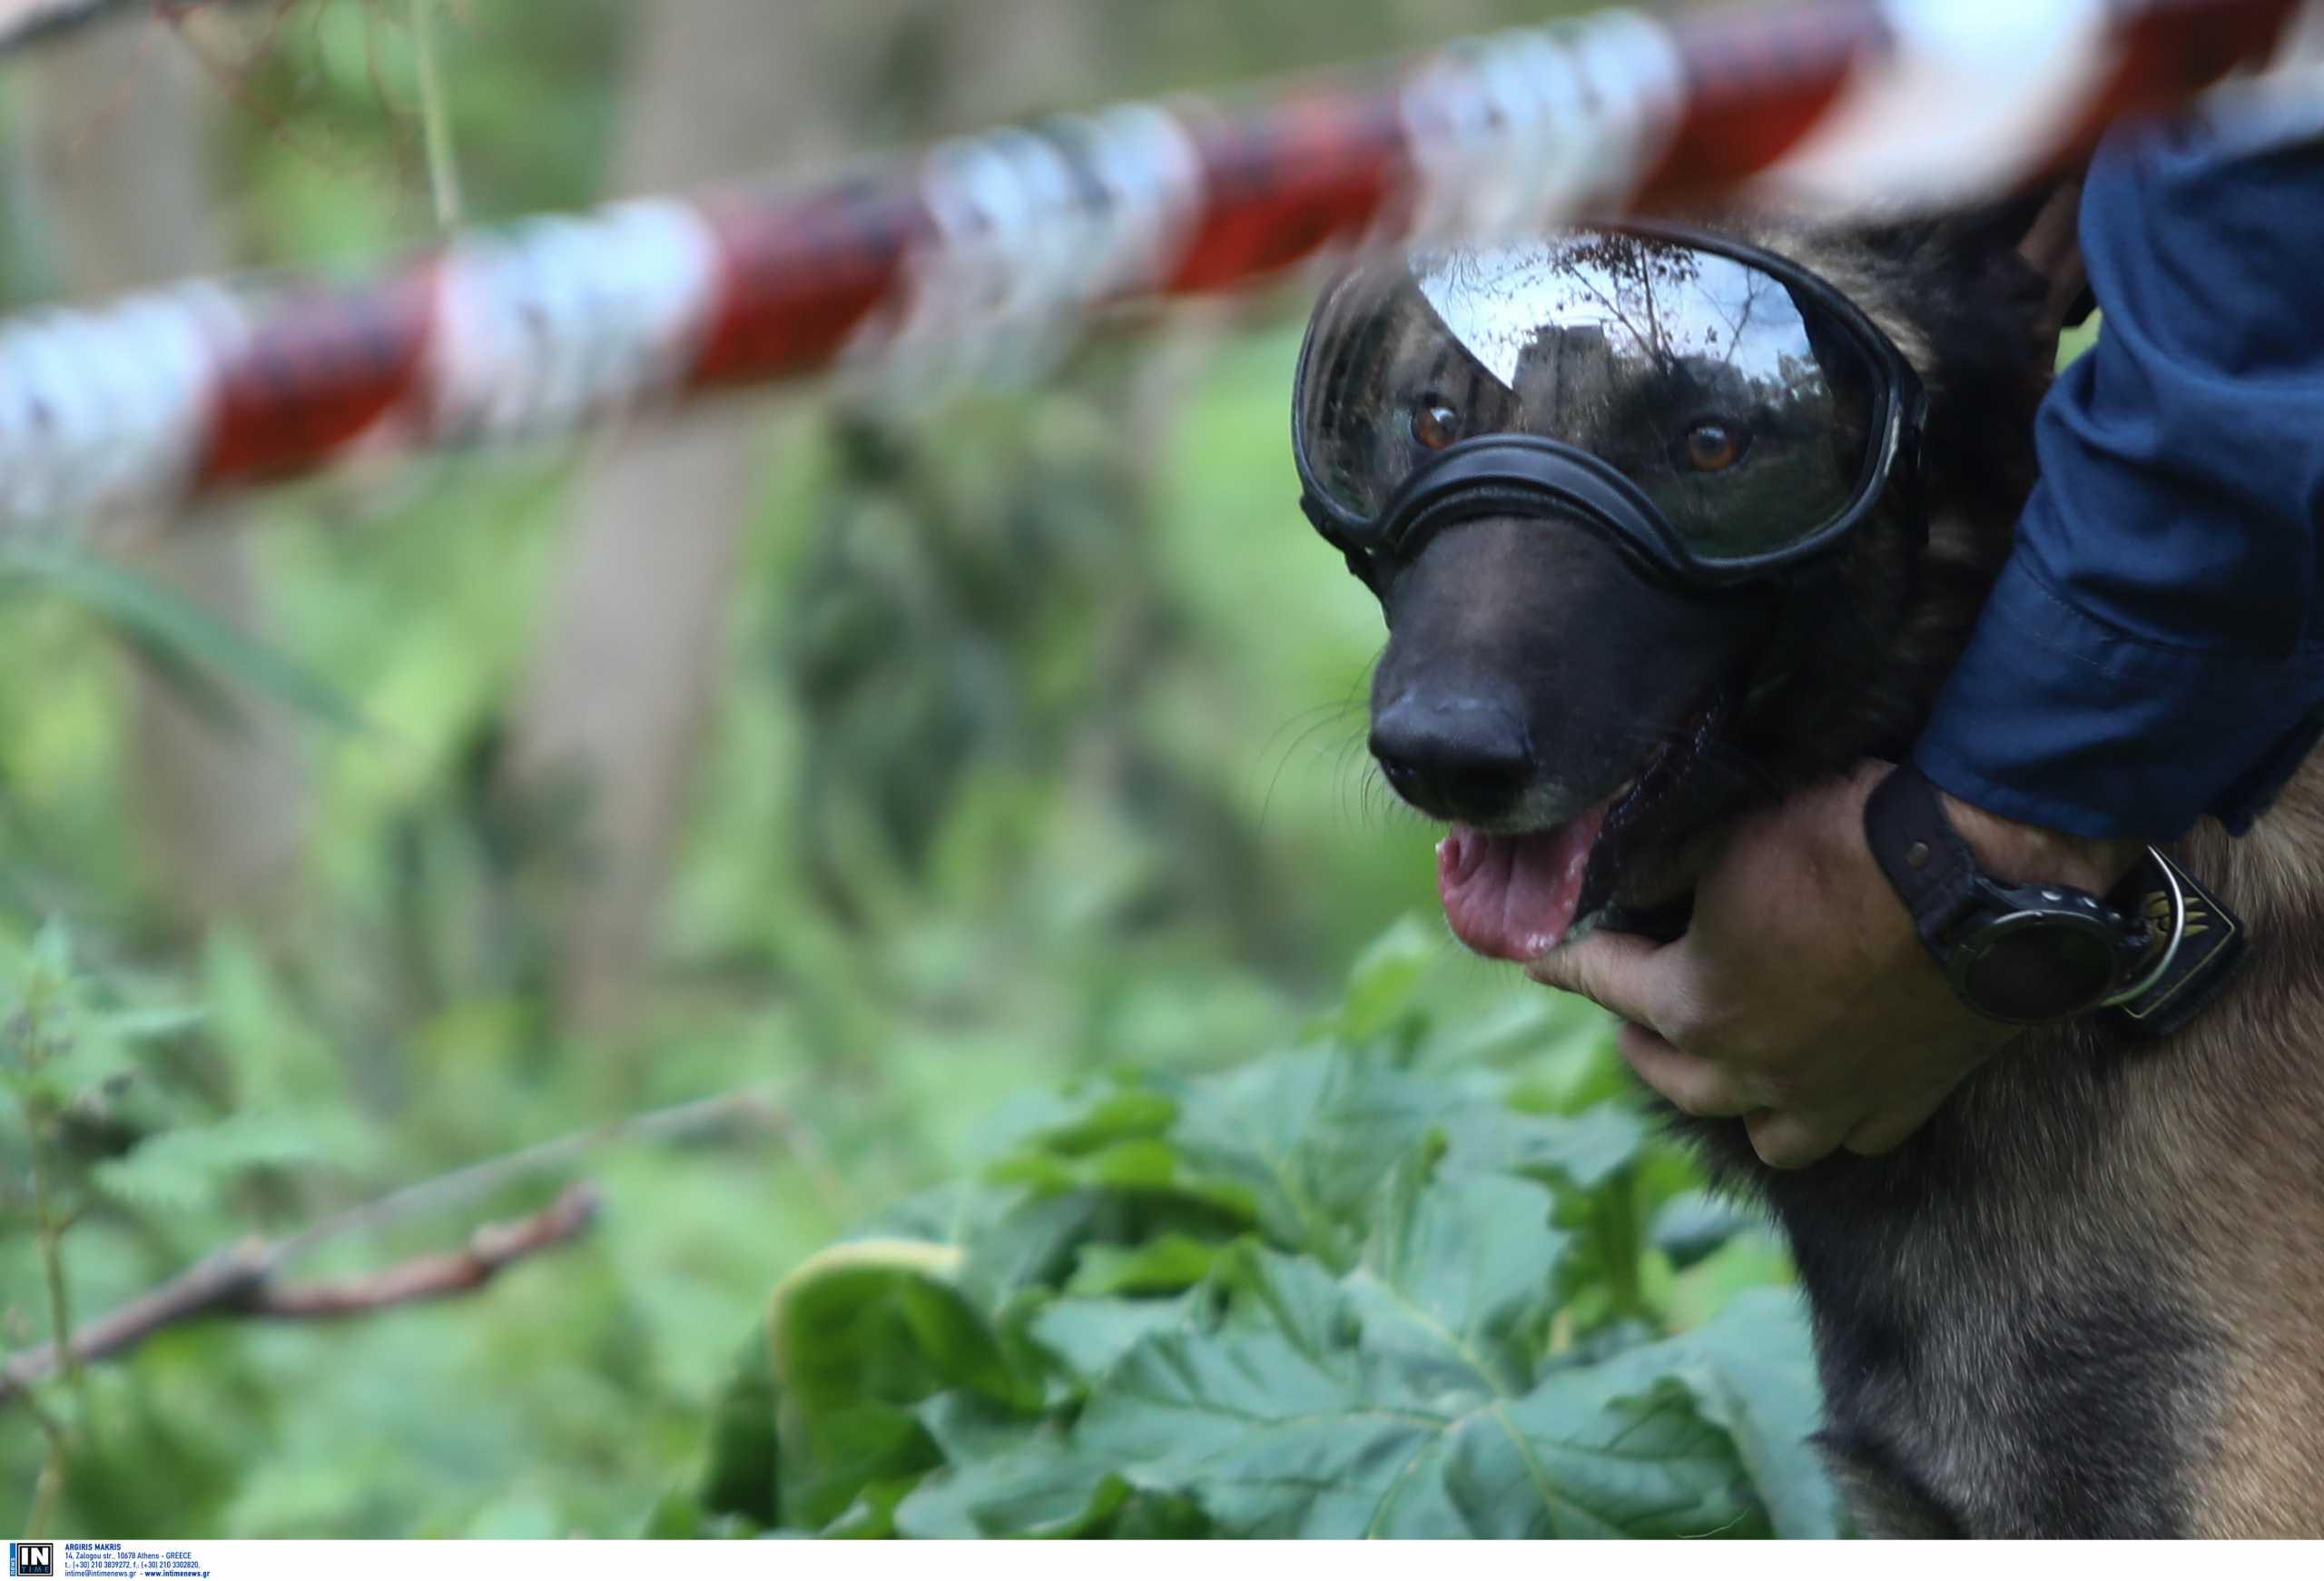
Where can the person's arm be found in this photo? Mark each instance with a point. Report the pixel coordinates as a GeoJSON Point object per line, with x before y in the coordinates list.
{"type": "Point", "coordinates": [2152, 651]}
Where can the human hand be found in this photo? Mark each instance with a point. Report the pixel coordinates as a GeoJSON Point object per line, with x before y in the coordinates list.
{"type": "Point", "coordinates": [1801, 999]}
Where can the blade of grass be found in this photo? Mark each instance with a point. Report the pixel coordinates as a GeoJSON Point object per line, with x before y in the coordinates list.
{"type": "Point", "coordinates": [191, 647]}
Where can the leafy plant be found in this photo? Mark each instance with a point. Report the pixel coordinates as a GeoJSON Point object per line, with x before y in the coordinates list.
{"type": "Point", "coordinates": [70, 1056]}
{"type": "Point", "coordinates": [1359, 1288]}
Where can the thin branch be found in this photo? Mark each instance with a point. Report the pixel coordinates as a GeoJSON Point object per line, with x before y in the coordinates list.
{"type": "Point", "coordinates": [492, 1248]}
{"type": "Point", "coordinates": [218, 1281]}
{"type": "Point", "coordinates": [239, 1280]}
{"type": "Point", "coordinates": [48, 1494]}
{"type": "Point", "coordinates": [48, 1489]}
{"type": "Point", "coordinates": [52, 1238]}
{"type": "Point", "coordinates": [750, 1106]}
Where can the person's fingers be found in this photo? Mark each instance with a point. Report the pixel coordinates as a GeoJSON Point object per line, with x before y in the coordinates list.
{"type": "Point", "coordinates": [1633, 977]}
{"type": "Point", "coordinates": [1788, 1140]}
{"type": "Point", "coordinates": [1696, 1086]}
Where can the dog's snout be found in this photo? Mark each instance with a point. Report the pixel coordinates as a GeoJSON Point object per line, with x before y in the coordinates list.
{"type": "Point", "coordinates": [1464, 759]}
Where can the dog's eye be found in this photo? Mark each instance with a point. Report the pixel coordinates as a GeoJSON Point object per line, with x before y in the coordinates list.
{"type": "Point", "coordinates": [1435, 424]}
{"type": "Point", "coordinates": [1714, 447]}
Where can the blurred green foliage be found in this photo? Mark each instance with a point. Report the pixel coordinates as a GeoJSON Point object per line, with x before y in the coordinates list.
{"type": "Point", "coordinates": [1038, 762]}
{"type": "Point", "coordinates": [1389, 1281]}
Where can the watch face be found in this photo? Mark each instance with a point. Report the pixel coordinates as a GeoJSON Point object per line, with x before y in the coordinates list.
{"type": "Point", "coordinates": [2036, 966]}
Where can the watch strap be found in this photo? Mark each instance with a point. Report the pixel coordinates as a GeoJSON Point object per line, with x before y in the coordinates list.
{"type": "Point", "coordinates": [1927, 863]}
{"type": "Point", "coordinates": [1954, 902]}
{"type": "Point", "coordinates": [1937, 876]}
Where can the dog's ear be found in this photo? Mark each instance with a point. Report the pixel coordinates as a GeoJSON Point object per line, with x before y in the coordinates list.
{"type": "Point", "coordinates": [2040, 226]}
{"type": "Point", "coordinates": [2031, 235]}
{"type": "Point", "coordinates": [2052, 243]}
{"type": "Point", "coordinates": [1986, 291]}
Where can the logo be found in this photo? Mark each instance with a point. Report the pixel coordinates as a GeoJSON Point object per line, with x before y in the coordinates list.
{"type": "Point", "coordinates": [2160, 910]}
{"type": "Point", "coordinates": [31, 1558]}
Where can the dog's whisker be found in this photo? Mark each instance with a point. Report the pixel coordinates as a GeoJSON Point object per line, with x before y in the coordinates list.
{"type": "Point", "coordinates": [1318, 720]}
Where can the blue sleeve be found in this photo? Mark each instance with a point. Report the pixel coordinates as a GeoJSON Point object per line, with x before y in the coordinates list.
{"type": "Point", "coordinates": [2154, 649]}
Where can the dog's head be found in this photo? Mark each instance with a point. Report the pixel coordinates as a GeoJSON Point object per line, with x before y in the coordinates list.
{"type": "Point", "coordinates": [1584, 725]}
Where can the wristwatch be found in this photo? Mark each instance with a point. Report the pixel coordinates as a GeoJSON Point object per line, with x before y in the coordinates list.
{"type": "Point", "coordinates": [2158, 949]}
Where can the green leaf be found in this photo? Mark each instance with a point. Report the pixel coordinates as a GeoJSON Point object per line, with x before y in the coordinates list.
{"type": "Point", "coordinates": [1089, 1335]}
{"type": "Point", "coordinates": [832, 1461]}
{"type": "Point", "coordinates": [883, 1320]}
{"type": "Point", "coordinates": [190, 647]}
{"type": "Point", "coordinates": [1515, 1026]}
{"type": "Point", "coordinates": [1398, 1401]}
{"type": "Point", "coordinates": [1581, 1456]}
{"type": "Point", "coordinates": [1114, 1119]}
{"type": "Point", "coordinates": [1691, 1226]}
{"type": "Point", "coordinates": [1277, 1425]}
{"type": "Point", "coordinates": [966, 1428]}
{"type": "Point", "coordinates": [1044, 1488]}
{"type": "Point", "coordinates": [858, 1335]}
{"type": "Point", "coordinates": [1583, 1153]}
{"type": "Point", "coordinates": [1081, 1122]}
{"type": "Point", "coordinates": [1752, 1372]}
{"type": "Point", "coordinates": [142, 1025]}
{"type": "Point", "coordinates": [1312, 1134]}
{"type": "Point", "coordinates": [1031, 1244]}
{"type": "Point", "coordinates": [1159, 1518]}
{"type": "Point", "coordinates": [1386, 979]}
{"type": "Point", "coordinates": [1169, 1262]}
{"type": "Point", "coordinates": [1467, 1263]}
{"type": "Point", "coordinates": [740, 1478]}
{"type": "Point", "coordinates": [873, 1513]}
{"type": "Point", "coordinates": [50, 959]}
{"type": "Point", "coordinates": [1274, 1436]}
{"type": "Point", "coordinates": [1144, 1167]}
{"type": "Point", "coordinates": [181, 1167]}
{"type": "Point", "coordinates": [1308, 1410]}
{"type": "Point", "coordinates": [676, 1517]}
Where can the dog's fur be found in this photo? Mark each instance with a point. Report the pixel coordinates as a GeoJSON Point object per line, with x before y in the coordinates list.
{"type": "Point", "coordinates": [2087, 1298]}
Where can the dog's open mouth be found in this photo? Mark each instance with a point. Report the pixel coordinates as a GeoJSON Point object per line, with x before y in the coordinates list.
{"type": "Point", "coordinates": [1517, 897]}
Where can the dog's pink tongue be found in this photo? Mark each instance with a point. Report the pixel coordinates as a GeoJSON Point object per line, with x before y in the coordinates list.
{"type": "Point", "coordinates": [1514, 898]}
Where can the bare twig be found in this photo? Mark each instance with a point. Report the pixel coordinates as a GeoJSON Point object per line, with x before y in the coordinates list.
{"type": "Point", "coordinates": [727, 1111]}
{"type": "Point", "coordinates": [439, 1274]}
{"type": "Point", "coordinates": [239, 1280]}
{"type": "Point", "coordinates": [48, 1491]}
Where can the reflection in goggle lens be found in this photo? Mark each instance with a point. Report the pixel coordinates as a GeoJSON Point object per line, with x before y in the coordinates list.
{"type": "Point", "coordinates": [1742, 408]}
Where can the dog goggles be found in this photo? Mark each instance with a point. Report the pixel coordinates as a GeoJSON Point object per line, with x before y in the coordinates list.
{"type": "Point", "coordinates": [1724, 414]}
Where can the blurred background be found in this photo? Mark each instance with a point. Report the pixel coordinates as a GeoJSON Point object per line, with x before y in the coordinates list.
{"type": "Point", "coordinates": [847, 763]}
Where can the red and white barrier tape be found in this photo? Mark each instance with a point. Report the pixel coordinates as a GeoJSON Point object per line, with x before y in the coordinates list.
{"type": "Point", "coordinates": [998, 245]}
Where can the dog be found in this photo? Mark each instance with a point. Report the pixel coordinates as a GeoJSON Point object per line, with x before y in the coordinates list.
{"type": "Point", "coordinates": [2086, 1299]}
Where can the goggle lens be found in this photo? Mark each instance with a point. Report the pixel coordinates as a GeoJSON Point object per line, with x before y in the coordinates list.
{"type": "Point", "coordinates": [1746, 408]}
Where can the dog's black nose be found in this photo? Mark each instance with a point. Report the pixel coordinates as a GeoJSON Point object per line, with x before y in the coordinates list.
{"type": "Point", "coordinates": [1459, 758]}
